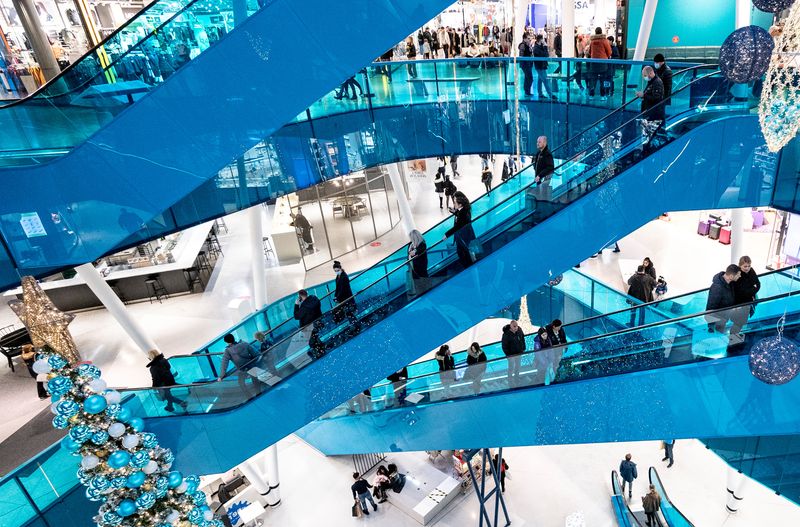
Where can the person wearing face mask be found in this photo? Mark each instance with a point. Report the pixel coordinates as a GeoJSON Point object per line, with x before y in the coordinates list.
{"type": "Point", "coordinates": [652, 95]}
{"type": "Point", "coordinates": [462, 231]}
{"type": "Point", "coordinates": [343, 295]}
{"type": "Point", "coordinates": [664, 73]}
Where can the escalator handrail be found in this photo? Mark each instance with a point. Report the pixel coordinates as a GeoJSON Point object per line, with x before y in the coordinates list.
{"type": "Point", "coordinates": [406, 262]}
{"type": "Point", "coordinates": [655, 479]}
{"type": "Point", "coordinates": [633, 521]}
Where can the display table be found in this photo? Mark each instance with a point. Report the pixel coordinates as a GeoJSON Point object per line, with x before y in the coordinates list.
{"type": "Point", "coordinates": [427, 490]}
{"type": "Point", "coordinates": [284, 235]}
{"type": "Point", "coordinates": [73, 294]}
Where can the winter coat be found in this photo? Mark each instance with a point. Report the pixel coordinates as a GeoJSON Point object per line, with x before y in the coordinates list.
{"type": "Point", "coordinates": [419, 262]}
{"type": "Point", "coordinates": [161, 372]}
{"type": "Point", "coordinates": [241, 353]}
{"type": "Point", "coordinates": [446, 362]}
{"type": "Point", "coordinates": [665, 74]}
{"type": "Point", "coordinates": [651, 502]}
{"type": "Point", "coordinates": [746, 287]}
{"type": "Point", "coordinates": [475, 360]}
{"type": "Point", "coordinates": [627, 470]}
{"type": "Point", "coordinates": [438, 183]}
{"type": "Point", "coordinates": [599, 47]}
{"type": "Point", "coordinates": [308, 311]}
{"type": "Point", "coordinates": [556, 339]}
{"type": "Point", "coordinates": [640, 287]}
{"type": "Point", "coordinates": [651, 97]}
{"type": "Point", "coordinates": [543, 164]}
{"type": "Point", "coordinates": [721, 294]}
{"type": "Point", "coordinates": [540, 51]}
{"type": "Point", "coordinates": [540, 343]}
{"type": "Point", "coordinates": [462, 227]}
{"type": "Point", "coordinates": [513, 343]}
{"type": "Point", "coordinates": [343, 290]}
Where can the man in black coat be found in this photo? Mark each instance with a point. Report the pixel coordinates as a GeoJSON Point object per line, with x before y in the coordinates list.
{"type": "Point", "coordinates": [540, 51]}
{"type": "Point", "coordinates": [558, 48]}
{"type": "Point", "coordinates": [640, 287]}
{"type": "Point", "coordinates": [543, 164]}
{"type": "Point", "coordinates": [161, 373]}
{"type": "Point", "coordinates": [664, 73]}
{"type": "Point", "coordinates": [652, 95]}
{"type": "Point", "coordinates": [307, 308]}
{"type": "Point", "coordinates": [526, 50]}
{"type": "Point", "coordinates": [720, 296]}
{"type": "Point", "coordinates": [343, 295]}
{"type": "Point", "coordinates": [513, 344]}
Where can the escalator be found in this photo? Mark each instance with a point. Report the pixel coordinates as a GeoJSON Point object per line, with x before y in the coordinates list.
{"type": "Point", "coordinates": [671, 515]}
{"type": "Point", "coordinates": [144, 145]}
{"type": "Point", "coordinates": [622, 512]}
{"type": "Point", "coordinates": [698, 165]}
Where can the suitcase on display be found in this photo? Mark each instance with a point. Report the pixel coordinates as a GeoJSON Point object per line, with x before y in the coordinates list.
{"type": "Point", "coordinates": [725, 236]}
{"type": "Point", "coordinates": [713, 231]}
{"type": "Point", "coordinates": [702, 228]}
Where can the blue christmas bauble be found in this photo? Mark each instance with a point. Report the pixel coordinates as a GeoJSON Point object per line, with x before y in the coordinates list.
{"type": "Point", "coordinates": [94, 404]}
{"type": "Point", "coordinates": [160, 493]}
{"type": "Point", "coordinates": [140, 458]}
{"type": "Point", "coordinates": [137, 424]}
{"type": "Point", "coordinates": [772, 6]}
{"type": "Point", "coordinates": [126, 508]}
{"type": "Point", "coordinates": [58, 386]}
{"type": "Point", "coordinates": [199, 498]}
{"type": "Point", "coordinates": [100, 437]}
{"type": "Point", "coordinates": [100, 483]}
{"type": "Point", "coordinates": [195, 516]}
{"type": "Point", "coordinates": [111, 518]}
{"type": "Point", "coordinates": [124, 415]}
{"type": "Point", "coordinates": [60, 422]}
{"type": "Point", "coordinates": [775, 360]}
{"type": "Point", "coordinates": [162, 483]}
{"type": "Point", "coordinates": [89, 370]}
{"type": "Point", "coordinates": [149, 440]}
{"type": "Point", "coordinates": [119, 459]}
{"type": "Point", "coordinates": [92, 494]}
{"type": "Point", "coordinates": [168, 457]}
{"type": "Point", "coordinates": [113, 411]}
{"type": "Point", "coordinates": [81, 433]}
{"type": "Point", "coordinates": [146, 500]}
{"type": "Point", "coordinates": [192, 483]}
{"type": "Point", "coordinates": [68, 408]}
{"type": "Point", "coordinates": [56, 362]}
{"type": "Point", "coordinates": [70, 445]}
{"type": "Point", "coordinates": [745, 54]}
{"type": "Point", "coordinates": [175, 478]}
{"type": "Point", "coordinates": [83, 476]}
{"type": "Point", "coordinates": [119, 482]}
{"type": "Point", "coordinates": [135, 480]}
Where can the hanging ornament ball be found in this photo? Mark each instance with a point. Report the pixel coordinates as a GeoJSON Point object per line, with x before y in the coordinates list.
{"type": "Point", "coordinates": [146, 500]}
{"type": "Point", "coordinates": [126, 508]}
{"type": "Point", "coordinates": [172, 517]}
{"type": "Point", "coordinates": [124, 415]}
{"type": "Point", "coordinates": [192, 483]}
{"type": "Point", "coordinates": [208, 515]}
{"type": "Point", "coordinates": [98, 385]}
{"type": "Point", "coordinates": [775, 360]}
{"type": "Point", "coordinates": [94, 404]}
{"type": "Point", "coordinates": [70, 445]}
{"type": "Point", "coordinates": [67, 408]}
{"type": "Point", "coordinates": [745, 54]}
{"type": "Point", "coordinates": [150, 467]}
{"type": "Point", "coordinates": [90, 461]}
{"type": "Point", "coordinates": [135, 480]}
{"type": "Point", "coordinates": [174, 478]}
{"type": "Point", "coordinates": [772, 6]}
{"type": "Point", "coordinates": [116, 430]}
{"type": "Point", "coordinates": [137, 424]}
{"type": "Point", "coordinates": [81, 433]}
{"type": "Point", "coordinates": [58, 386]}
{"type": "Point", "coordinates": [119, 459]}
{"type": "Point", "coordinates": [41, 366]}
{"type": "Point", "coordinates": [112, 397]}
{"type": "Point", "coordinates": [57, 362]}
{"type": "Point", "coordinates": [60, 422]}
{"type": "Point", "coordinates": [89, 370]}
{"type": "Point", "coordinates": [100, 437]}
{"type": "Point", "coordinates": [140, 459]}
{"type": "Point", "coordinates": [183, 487]}
{"type": "Point", "coordinates": [130, 441]}
{"type": "Point", "coordinates": [149, 440]}
{"type": "Point", "coordinates": [195, 516]}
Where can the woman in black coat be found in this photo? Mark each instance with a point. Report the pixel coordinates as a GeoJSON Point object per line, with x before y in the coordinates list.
{"type": "Point", "coordinates": [418, 254]}
{"type": "Point", "coordinates": [345, 303]}
{"type": "Point", "coordinates": [462, 231]}
{"type": "Point", "coordinates": [161, 374]}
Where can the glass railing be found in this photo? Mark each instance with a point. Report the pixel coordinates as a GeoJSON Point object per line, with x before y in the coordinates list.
{"type": "Point", "coordinates": [682, 340]}
{"type": "Point", "coordinates": [508, 211]}
{"type": "Point", "coordinates": [671, 514]}
{"type": "Point", "coordinates": [622, 512]}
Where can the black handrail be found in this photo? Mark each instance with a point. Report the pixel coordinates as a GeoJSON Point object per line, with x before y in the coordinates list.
{"type": "Point", "coordinates": [656, 480]}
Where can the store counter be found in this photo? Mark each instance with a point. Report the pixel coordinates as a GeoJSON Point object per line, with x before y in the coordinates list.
{"type": "Point", "coordinates": [284, 235]}
{"type": "Point", "coordinates": [427, 490]}
{"type": "Point", "coordinates": [73, 294]}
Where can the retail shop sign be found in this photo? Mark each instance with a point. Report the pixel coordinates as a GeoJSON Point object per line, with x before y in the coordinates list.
{"type": "Point", "coordinates": [581, 4]}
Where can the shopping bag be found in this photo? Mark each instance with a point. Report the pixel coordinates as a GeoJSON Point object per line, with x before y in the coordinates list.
{"type": "Point", "coordinates": [356, 511]}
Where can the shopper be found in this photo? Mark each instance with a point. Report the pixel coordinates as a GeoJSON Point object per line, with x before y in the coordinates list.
{"type": "Point", "coordinates": [555, 332]}
{"type": "Point", "coordinates": [500, 466]}
{"type": "Point", "coordinates": [361, 493]}
{"type": "Point", "coordinates": [450, 189]}
{"type": "Point", "coordinates": [447, 366]}
{"type": "Point", "coordinates": [651, 96]}
{"type": "Point", "coordinates": [669, 446]}
{"type": "Point", "coordinates": [526, 65]}
{"type": "Point", "coordinates": [418, 269]}
{"type": "Point", "coordinates": [438, 186]}
{"type": "Point", "coordinates": [543, 164]}
{"type": "Point", "coordinates": [649, 268]}
{"type": "Point", "coordinates": [486, 179]}
{"type": "Point", "coordinates": [599, 48]}
{"type": "Point", "coordinates": [628, 473]}
{"type": "Point", "coordinates": [454, 166]}
{"type": "Point", "coordinates": [540, 51]}
{"type": "Point", "coordinates": [243, 357]}
{"type": "Point", "coordinates": [545, 356]}
{"type": "Point", "coordinates": [444, 41]}
{"type": "Point", "coordinates": [307, 308]}
{"type": "Point", "coordinates": [476, 366]}
{"type": "Point", "coordinates": [640, 287]}
{"type": "Point", "coordinates": [462, 231]}
{"type": "Point", "coordinates": [651, 503]}
{"type": "Point", "coordinates": [721, 296]}
{"type": "Point", "coordinates": [380, 483]}
{"type": "Point", "coordinates": [411, 54]}
{"type": "Point", "coordinates": [303, 228]}
{"type": "Point", "coordinates": [343, 295]}
{"type": "Point", "coordinates": [664, 73]}
{"type": "Point", "coordinates": [29, 357]}
{"type": "Point", "coordinates": [513, 344]}
{"type": "Point", "coordinates": [161, 373]}
{"type": "Point", "coordinates": [399, 381]}
{"type": "Point", "coordinates": [505, 174]}
{"type": "Point", "coordinates": [558, 48]}
{"type": "Point", "coordinates": [267, 355]}
{"type": "Point", "coordinates": [308, 311]}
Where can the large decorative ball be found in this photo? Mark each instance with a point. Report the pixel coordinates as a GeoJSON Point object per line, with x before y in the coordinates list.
{"type": "Point", "coordinates": [175, 478]}
{"type": "Point", "coordinates": [199, 498]}
{"type": "Point", "coordinates": [168, 457]}
{"type": "Point", "coordinates": [124, 415]}
{"type": "Point", "coordinates": [41, 366]}
{"type": "Point", "coordinates": [113, 411]}
{"type": "Point", "coordinates": [94, 404]}
{"type": "Point", "coordinates": [183, 487]}
{"type": "Point", "coordinates": [119, 482]}
{"type": "Point", "coordinates": [135, 480]}
{"type": "Point", "coordinates": [89, 370]}
{"type": "Point", "coordinates": [137, 424]}
{"type": "Point", "coordinates": [149, 440]}
{"type": "Point", "coordinates": [119, 459]}
{"type": "Point", "coordinates": [58, 386]}
{"type": "Point", "coordinates": [70, 445]}
{"type": "Point", "coordinates": [146, 500]}
{"type": "Point", "coordinates": [150, 467]}
{"type": "Point", "coordinates": [208, 515]}
{"type": "Point", "coordinates": [192, 483]}
{"type": "Point", "coordinates": [92, 494]}
{"type": "Point", "coordinates": [56, 362]}
{"type": "Point", "coordinates": [100, 437]}
{"type": "Point", "coordinates": [81, 433]}
{"type": "Point", "coordinates": [195, 516]}
{"type": "Point", "coordinates": [112, 518]}
{"type": "Point", "coordinates": [112, 397]}
{"type": "Point", "coordinates": [130, 441]}
{"type": "Point", "coordinates": [775, 360]}
{"type": "Point", "coordinates": [101, 483]}
{"type": "Point", "coordinates": [772, 6]}
{"type": "Point", "coordinates": [162, 483]}
{"type": "Point", "coordinates": [745, 54]}
{"type": "Point", "coordinates": [60, 422]}
{"type": "Point", "coordinates": [83, 476]}
{"type": "Point", "coordinates": [67, 408]}
{"type": "Point", "coordinates": [90, 461]}
{"type": "Point", "coordinates": [97, 385]}
{"type": "Point", "coordinates": [172, 517]}
{"type": "Point", "coordinates": [126, 508]}
{"type": "Point", "coordinates": [140, 459]}
{"type": "Point", "coordinates": [116, 429]}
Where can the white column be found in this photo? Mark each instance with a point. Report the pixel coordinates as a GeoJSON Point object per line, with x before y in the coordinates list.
{"type": "Point", "coordinates": [739, 218]}
{"type": "Point", "coordinates": [736, 483]}
{"type": "Point", "coordinates": [274, 496]}
{"type": "Point", "coordinates": [254, 216]}
{"type": "Point", "coordinates": [644, 29]}
{"type": "Point", "coordinates": [568, 28]}
{"type": "Point", "coordinates": [520, 13]}
{"type": "Point", "coordinates": [250, 470]}
{"type": "Point", "coordinates": [406, 218]}
{"type": "Point", "coordinates": [114, 305]}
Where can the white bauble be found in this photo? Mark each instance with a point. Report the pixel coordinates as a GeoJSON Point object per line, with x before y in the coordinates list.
{"type": "Point", "coordinates": [130, 441]}
{"type": "Point", "coordinates": [90, 461]}
{"type": "Point", "coordinates": [112, 397]}
{"type": "Point", "coordinates": [41, 366]}
{"type": "Point", "coordinates": [116, 430]}
{"type": "Point", "coordinates": [150, 467]}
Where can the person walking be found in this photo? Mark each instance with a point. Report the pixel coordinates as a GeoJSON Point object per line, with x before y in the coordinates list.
{"type": "Point", "coordinates": [640, 287]}
{"type": "Point", "coordinates": [303, 228]}
{"type": "Point", "coordinates": [161, 374]}
{"type": "Point", "coordinates": [343, 295]}
{"type": "Point", "coordinates": [669, 446]}
{"type": "Point", "coordinates": [540, 51]}
{"type": "Point", "coordinates": [438, 186]}
{"type": "Point", "coordinates": [720, 296]}
{"type": "Point", "coordinates": [411, 54]}
{"type": "Point", "coordinates": [454, 166]}
{"type": "Point", "coordinates": [486, 179]}
{"type": "Point", "coordinates": [450, 189]}
{"type": "Point", "coordinates": [462, 231]}
{"type": "Point", "coordinates": [628, 473]}
{"type": "Point", "coordinates": [447, 366]}
{"type": "Point", "coordinates": [361, 493]}
{"type": "Point", "coordinates": [243, 357]}
{"type": "Point", "coordinates": [526, 65]}
{"type": "Point", "coordinates": [307, 311]}
{"type": "Point", "coordinates": [664, 73]}
{"type": "Point", "coordinates": [500, 467]}
{"type": "Point", "coordinates": [28, 356]}
{"type": "Point", "coordinates": [476, 366]}
{"type": "Point", "coordinates": [418, 256]}
{"type": "Point", "coordinates": [599, 48]}
{"type": "Point", "coordinates": [649, 268]}
{"type": "Point", "coordinates": [513, 345]}
{"type": "Point", "coordinates": [558, 46]}
{"type": "Point", "coordinates": [651, 503]}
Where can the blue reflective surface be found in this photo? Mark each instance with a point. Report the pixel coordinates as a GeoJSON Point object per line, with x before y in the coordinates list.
{"type": "Point", "coordinates": [672, 515]}
{"type": "Point", "coordinates": [622, 512]}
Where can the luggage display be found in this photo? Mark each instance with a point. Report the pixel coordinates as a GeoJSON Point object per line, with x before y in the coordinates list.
{"type": "Point", "coordinates": [725, 236]}
{"type": "Point", "coordinates": [702, 228]}
{"type": "Point", "coordinates": [713, 231]}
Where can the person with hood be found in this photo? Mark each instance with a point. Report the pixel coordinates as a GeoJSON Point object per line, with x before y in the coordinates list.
{"type": "Point", "coordinates": [664, 73]}
{"type": "Point", "coordinates": [599, 48]}
{"type": "Point", "coordinates": [651, 503]}
{"type": "Point", "coordinates": [161, 373]}
{"type": "Point", "coordinates": [476, 362]}
{"type": "Point", "coordinates": [513, 344]}
{"type": "Point", "coordinates": [243, 356]}
{"type": "Point", "coordinates": [628, 473]}
{"type": "Point", "coordinates": [640, 287]}
{"type": "Point", "coordinates": [721, 295]}
{"type": "Point", "coordinates": [462, 231]}
{"type": "Point", "coordinates": [343, 295]}
{"type": "Point", "coordinates": [540, 51]}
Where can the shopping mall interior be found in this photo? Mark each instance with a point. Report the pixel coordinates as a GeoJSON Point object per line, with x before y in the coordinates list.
{"type": "Point", "coordinates": [491, 262]}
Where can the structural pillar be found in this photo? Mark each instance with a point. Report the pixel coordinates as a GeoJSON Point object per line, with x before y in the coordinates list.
{"type": "Point", "coordinates": [274, 496]}
{"type": "Point", "coordinates": [406, 218]}
{"type": "Point", "coordinates": [568, 28]}
{"type": "Point", "coordinates": [736, 484]}
{"type": "Point", "coordinates": [114, 305]}
{"type": "Point", "coordinates": [254, 215]}
{"type": "Point", "coordinates": [37, 37]}
{"type": "Point", "coordinates": [644, 29]}
{"type": "Point", "coordinates": [739, 218]}
{"type": "Point", "coordinates": [520, 14]}
{"type": "Point", "coordinates": [250, 470]}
